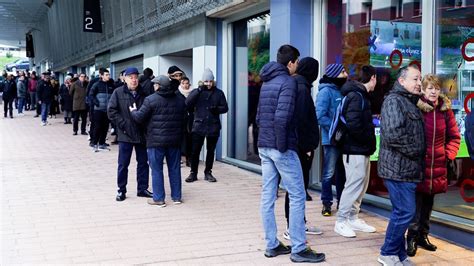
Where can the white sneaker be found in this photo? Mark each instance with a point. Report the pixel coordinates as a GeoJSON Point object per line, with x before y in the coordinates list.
{"type": "Point", "coordinates": [43, 124]}
{"type": "Point", "coordinates": [313, 230]}
{"type": "Point", "coordinates": [343, 229]}
{"type": "Point", "coordinates": [407, 262]}
{"type": "Point", "coordinates": [360, 225]}
{"type": "Point", "coordinates": [389, 260]}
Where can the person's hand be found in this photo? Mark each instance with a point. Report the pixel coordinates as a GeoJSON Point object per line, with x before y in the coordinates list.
{"type": "Point", "coordinates": [308, 153]}
{"type": "Point", "coordinates": [39, 102]}
{"type": "Point", "coordinates": [133, 107]}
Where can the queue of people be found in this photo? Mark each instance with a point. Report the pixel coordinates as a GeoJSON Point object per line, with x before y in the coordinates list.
{"type": "Point", "coordinates": [164, 118]}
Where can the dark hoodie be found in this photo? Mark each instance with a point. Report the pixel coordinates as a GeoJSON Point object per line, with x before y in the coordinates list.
{"type": "Point", "coordinates": [360, 137]}
{"type": "Point", "coordinates": [307, 122]}
{"type": "Point", "coordinates": [163, 114]}
{"type": "Point", "coordinates": [147, 85]}
{"type": "Point", "coordinates": [275, 115]}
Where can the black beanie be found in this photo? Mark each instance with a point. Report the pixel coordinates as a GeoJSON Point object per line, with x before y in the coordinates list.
{"type": "Point", "coordinates": [308, 67]}
{"type": "Point", "coordinates": [173, 69]}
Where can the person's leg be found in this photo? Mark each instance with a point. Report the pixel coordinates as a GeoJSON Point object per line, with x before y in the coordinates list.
{"type": "Point", "coordinates": [331, 154]}
{"type": "Point", "coordinates": [83, 121]}
{"type": "Point", "coordinates": [340, 176]}
{"type": "Point", "coordinates": [414, 226]}
{"type": "Point", "coordinates": [269, 188]}
{"type": "Point", "coordinates": [198, 141]}
{"type": "Point", "coordinates": [306, 162]}
{"type": "Point", "coordinates": [211, 143]}
{"type": "Point", "coordinates": [44, 112]}
{"type": "Point", "coordinates": [363, 167]}
{"type": "Point", "coordinates": [5, 107]}
{"type": "Point", "coordinates": [289, 167]}
{"type": "Point", "coordinates": [142, 167]}
{"type": "Point", "coordinates": [287, 209]}
{"type": "Point", "coordinates": [21, 103]}
{"type": "Point", "coordinates": [10, 107]}
{"type": "Point", "coordinates": [33, 100]}
{"type": "Point", "coordinates": [173, 162]}
{"type": "Point", "coordinates": [424, 224]}
{"type": "Point", "coordinates": [104, 128]}
{"type": "Point", "coordinates": [402, 197]}
{"type": "Point", "coordinates": [155, 156]}
{"type": "Point", "coordinates": [96, 116]}
{"type": "Point", "coordinates": [124, 156]}
{"type": "Point", "coordinates": [76, 121]}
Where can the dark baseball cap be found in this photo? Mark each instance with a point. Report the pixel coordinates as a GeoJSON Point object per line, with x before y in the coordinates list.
{"type": "Point", "coordinates": [163, 80]}
{"type": "Point", "coordinates": [130, 71]}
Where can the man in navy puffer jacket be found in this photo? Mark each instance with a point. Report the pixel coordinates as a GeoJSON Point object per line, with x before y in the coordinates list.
{"type": "Point", "coordinates": [277, 145]}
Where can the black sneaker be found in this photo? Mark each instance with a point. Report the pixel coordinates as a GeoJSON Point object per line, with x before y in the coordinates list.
{"type": "Point", "coordinates": [191, 178]}
{"type": "Point", "coordinates": [307, 255]}
{"type": "Point", "coordinates": [120, 196]}
{"type": "Point", "coordinates": [281, 249]}
{"type": "Point", "coordinates": [209, 177]}
{"type": "Point", "coordinates": [326, 210]}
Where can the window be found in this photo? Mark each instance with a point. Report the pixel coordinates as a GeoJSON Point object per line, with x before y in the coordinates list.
{"type": "Point", "coordinates": [399, 8]}
{"type": "Point", "coordinates": [367, 9]}
{"type": "Point", "coordinates": [251, 51]}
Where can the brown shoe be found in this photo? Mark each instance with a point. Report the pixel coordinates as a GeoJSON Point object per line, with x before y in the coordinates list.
{"type": "Point", "coordinates": [160, 204]}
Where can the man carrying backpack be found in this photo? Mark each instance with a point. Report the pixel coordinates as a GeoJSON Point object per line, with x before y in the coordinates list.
{"type": "Point", "coordinates": [357, 146]}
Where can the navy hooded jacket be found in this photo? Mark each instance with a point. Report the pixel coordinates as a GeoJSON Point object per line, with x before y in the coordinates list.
{"type": "Point", "coordinates": [275, 114]}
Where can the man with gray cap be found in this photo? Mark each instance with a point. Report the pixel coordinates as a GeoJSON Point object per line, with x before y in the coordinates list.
{"type": "Point", "coordinates": [163, 115]}
{"type": "Point", "coordinates": [130, 134]}
{"type": "Point", "coordinates": [206, 102]}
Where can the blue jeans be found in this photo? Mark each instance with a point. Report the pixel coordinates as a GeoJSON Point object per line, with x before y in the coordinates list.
{"type": "Point", "coordinates": [124, 156]}
{"type": "Point", "coordinates": [402, 197]}
{"type": "Point", "coordinates": [332, 161]}
{"type": "Point", "coordinates": [21, 104]}
{"type": "Point", "coordinates": [45, 111]}
{"type": "Point", "coordinates": [287, 165]}
{"type": "Point", "coordinates": [173, 161]}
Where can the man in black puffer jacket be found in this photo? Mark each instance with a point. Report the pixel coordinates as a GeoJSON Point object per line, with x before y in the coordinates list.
{"type": "Point", "coordinates": [100, 95]}
{"type": "Point", "coordinates": [207, 103]}
{"type": "Point", "coordinates": [130, 134]}
{"type": "Point", "coordinates": [401, 158]}
{"type": "Point", "coordinates": [163, 113]}
{"type": "Point", "coordinates": [358, 145]}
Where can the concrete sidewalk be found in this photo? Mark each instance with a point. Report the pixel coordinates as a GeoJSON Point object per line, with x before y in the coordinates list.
{"type": "Point", "coordinates": [58, 207]}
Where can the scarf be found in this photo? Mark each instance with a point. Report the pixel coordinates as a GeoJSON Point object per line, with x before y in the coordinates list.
{"type": "Point", "coordinates": [185, 93]}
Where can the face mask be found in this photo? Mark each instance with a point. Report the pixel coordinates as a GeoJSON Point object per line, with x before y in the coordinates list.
{"type": "Point", "coordinates": [339, 81]}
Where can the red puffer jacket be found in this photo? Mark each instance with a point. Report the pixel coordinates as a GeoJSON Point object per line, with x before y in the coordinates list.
{"type": "Point", "coordinates": [442, 143]}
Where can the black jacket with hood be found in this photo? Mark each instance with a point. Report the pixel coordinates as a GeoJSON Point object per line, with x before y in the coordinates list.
{"type": "Point", "coordinates": [307, 122]}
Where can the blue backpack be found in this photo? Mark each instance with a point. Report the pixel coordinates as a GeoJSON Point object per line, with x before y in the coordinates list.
{"type": "Point", "coordinates": [338, 128]}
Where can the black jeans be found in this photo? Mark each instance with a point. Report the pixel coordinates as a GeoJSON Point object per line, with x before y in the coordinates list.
{"type": "Point", "coordinates": [8, 106]}
{"type": "Point", "coordinates": [101, 126]}
{"type": "Point", "coordinates": [83, 115]}
{"type": "Point", "coordinates": [198, 141]}
{"type": "Point", "coordinates": [306, 162]}
{"type": "Point", "coordinates": [421, 221]}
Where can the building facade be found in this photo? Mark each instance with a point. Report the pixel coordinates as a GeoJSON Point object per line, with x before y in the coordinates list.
{"type": "Point", "coordinates": [237, 37]}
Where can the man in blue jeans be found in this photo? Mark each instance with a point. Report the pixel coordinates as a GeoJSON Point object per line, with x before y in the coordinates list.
{"type": "Point", "coordinates": [402, 152]}
{"type": "Point", "coordinates": [163, 114]}
{"type": "Point", "coordinates": [277, 145]}
{"type": "Point", "coordinates": [45, 95]}
{"type": "Point", "coordinates": [130, 134]}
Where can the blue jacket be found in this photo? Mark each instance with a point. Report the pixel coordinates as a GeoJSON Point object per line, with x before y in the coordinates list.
{"type": "Point", "coordinates": [100, 93]}
{"type": "Point", "coordinates": [275, 114]}
{"type": "Point", "coordinates": [329, 97]}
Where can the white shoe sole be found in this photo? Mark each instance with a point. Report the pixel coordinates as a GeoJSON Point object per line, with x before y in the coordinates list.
{"type": "Point", "coordinates": [344, 235]}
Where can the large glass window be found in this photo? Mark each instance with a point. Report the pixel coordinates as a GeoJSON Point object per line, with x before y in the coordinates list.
{"type": "Point", "coordinates": [250, 53]}
{"type": "Point", "coordinates": [455, 65]}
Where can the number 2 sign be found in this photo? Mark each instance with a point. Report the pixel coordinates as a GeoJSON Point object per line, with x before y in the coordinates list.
{"type": "Point", "coordinates": [92, 18]}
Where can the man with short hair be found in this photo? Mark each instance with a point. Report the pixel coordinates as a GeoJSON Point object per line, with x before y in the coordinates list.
{"type": "Point", "coordinates": [402, 152]}
{"type": "Point", "coordinates": [79, 93]}
{"type": "Point", "coordinates": [100, 94]}
{"type": "Point", "coordinates": [163, 114]}
{"type": "Point", "coordinates": [130, 134]}
{"type": "Point", "coordinates": [145, 81]}
{"type": "Point", "coordinates": [45, 97]}
{"type": "Point", "coordinates": [277, 145]}
{"type": "Point", "coordinates": [358, 144]}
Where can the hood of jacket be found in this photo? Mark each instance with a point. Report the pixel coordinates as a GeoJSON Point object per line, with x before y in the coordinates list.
{"type": "Point", "coordinates": [166, 92]}
{"type": "Point", "coordinates": [272, 70]}
{"type": "Point", "coordinates": [426, 106]}
{"type": "Point", "coordinates": [323, 83]}
{"type": "Point", "coordinates": [308, 68]}
{"type": "Point", "coordinates": [353, 85]}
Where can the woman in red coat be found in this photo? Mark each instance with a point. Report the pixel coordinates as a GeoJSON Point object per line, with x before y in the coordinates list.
{"type": "Point", "coordinates": [442, 144]}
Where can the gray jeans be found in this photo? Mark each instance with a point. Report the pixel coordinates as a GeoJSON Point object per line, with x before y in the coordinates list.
{"type": "Point", "coordinates": [357, 180]}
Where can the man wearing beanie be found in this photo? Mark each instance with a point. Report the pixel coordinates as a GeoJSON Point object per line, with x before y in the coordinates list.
{"type": "Point", "coordinates": [163, 115]}
{"type": "Point", "coordinates": [175, 74]}
{"type": "Point", "coordinates": [328, 99]}
{"type": "Point", "coordinates": [277, 147]}
{"type": "Point", "coordinates": [207, 103]}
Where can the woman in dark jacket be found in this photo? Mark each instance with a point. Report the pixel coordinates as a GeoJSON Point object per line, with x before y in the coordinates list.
{"type": "Point", "coordinates": [442, 144]}
{"type": "Point", "coordinates": [66, 100]}
{"type": "Point", "coordinates": [54, 109]}
{"type": "Point", "coordinates": [183, 91]}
